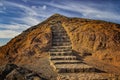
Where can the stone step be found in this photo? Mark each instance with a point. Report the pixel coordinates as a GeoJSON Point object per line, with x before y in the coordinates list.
{"type": "Point", "coordinates": [61, 47]}
{"type": "Point", "coordinates": [64, 58]}
{"type": "Point", "coordinates": [61, 39]}
{"type": "Point", "coordinates": [74, 68]}
{"type": "Point", "coordinates": [59, 28]}
{"type": "Point", "coordinates": [60, 44]}
{"type": "Point", "coordinates": [59, 34]}
{"type": "Point", "coordinates": [82, 65]}
{"type": "Point", "coordinates": [58, 50]}
{"type": "Point", "coordinates": [61, 54]}
{"type": "Point", "coordinates": [86, 76]}
{"type": "Point", "coordinates": [66, 61]}
{"type": "Point", "coordinates": [58, 31]}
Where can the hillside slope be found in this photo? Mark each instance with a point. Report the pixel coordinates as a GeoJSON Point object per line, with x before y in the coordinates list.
{"type": "Point", "coordinates": [94, 40]}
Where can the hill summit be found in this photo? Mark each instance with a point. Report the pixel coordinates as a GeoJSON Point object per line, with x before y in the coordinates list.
{"type": "Point", "coordinates": [61, 45]}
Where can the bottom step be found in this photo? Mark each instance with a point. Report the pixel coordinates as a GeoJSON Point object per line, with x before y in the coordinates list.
{"type": "Point", "coordinates": [79, 70]}
{"type": "Point", "coordinates": [86, 76]}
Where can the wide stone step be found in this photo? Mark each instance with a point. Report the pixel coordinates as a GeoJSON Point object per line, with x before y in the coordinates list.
{"type": "Point", "coordinates": [57, 28]}
{"type": "Point", "coordinates": [61, 39]}
{"type": "Point", "coordinates": [59, 34]}
{"type": "Point", "coordinates": [74, 68]}
{"type": "Point", "coordinates": [86, 76]}
{"type": "Point", "coordinates": [82, 65]}
{"type": "Point", "coordinates": [62, 47]}
{"type": "Point", "coordinates": [58, 31]}
{"type": "Point", "coordinates": [61, 58]}
{"type": "Point", "coordinates": [66, 61]}
{"type": "Point", "coordinates": [58, 50]}
{"type": "Point", "coordinates": [60, 44]}
{"type": "Point", "coordinates": [64, 58]}
{"type": "Point", "coordinates": [61, 54]}
{"type": "Point", "coordinates": [54, 27]}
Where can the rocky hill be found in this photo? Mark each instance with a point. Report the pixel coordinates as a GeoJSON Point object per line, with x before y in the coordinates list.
{"type": "Point", "coordinates": [96, 42]}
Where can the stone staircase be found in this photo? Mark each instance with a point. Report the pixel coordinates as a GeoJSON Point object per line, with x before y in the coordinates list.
{"type": "Point", "coordinates": [65, 61]}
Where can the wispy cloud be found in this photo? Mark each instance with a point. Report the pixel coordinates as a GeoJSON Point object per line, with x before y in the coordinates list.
{"type": "Point", "coordinates": [26, 9]}
{"type": "Point", "coordinates": [89, 10]}
{"type": "Point", "coordinates": [24, 0]}
{"type": "Point", "coordinates": [8, 33]}
{"type": "Point", "coordinates": [30, 21]}
{"type": "Point", "coordinates": [14, 28]}
{"type": "Point", "coordinates": [1, 4]}
{"type": "Point", "coordinates": [11, 30]}
{"type": "Point", "coordinates": [38, 10]}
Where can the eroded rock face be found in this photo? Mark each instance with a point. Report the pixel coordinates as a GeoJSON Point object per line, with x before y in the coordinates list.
{"type": "Point", "coordinates": [34, 41]}
{"type": "Point", "coordinates": [98, 38]}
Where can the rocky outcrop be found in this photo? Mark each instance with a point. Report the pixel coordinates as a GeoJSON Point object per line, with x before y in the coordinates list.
{"type": "Point", "coordinates": [13, 72]}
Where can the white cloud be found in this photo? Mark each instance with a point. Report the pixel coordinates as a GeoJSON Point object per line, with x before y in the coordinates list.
{"type": "Point", "coordinates": [11, 30]}
{"type": "Point", "coordinates": [44, 7]}
{"type": "Point", "coordinates": [8, 33]}
{"type": "Point", "coordinates": [24, 0]}
{"type": "Point", "coordinates": [33, 7]}
{"type": "Point", "coordinates": [27, 9]}
{"type": "Point", "coordinates": [87, 10]}
{"type": "Point", "coordinates": [29, 20]}
{"type": "Point", "coordinates": [1, 4]}
{"type": "Point", "coordinates": [2, 11]}
{"type": "Point", "coordinates": [14, 26]}
{"type": "Point", "coordinates": [31, 14]}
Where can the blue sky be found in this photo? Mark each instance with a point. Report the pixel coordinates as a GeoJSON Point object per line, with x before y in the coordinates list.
{"type": "Point", "coordinates": [18, 15]}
